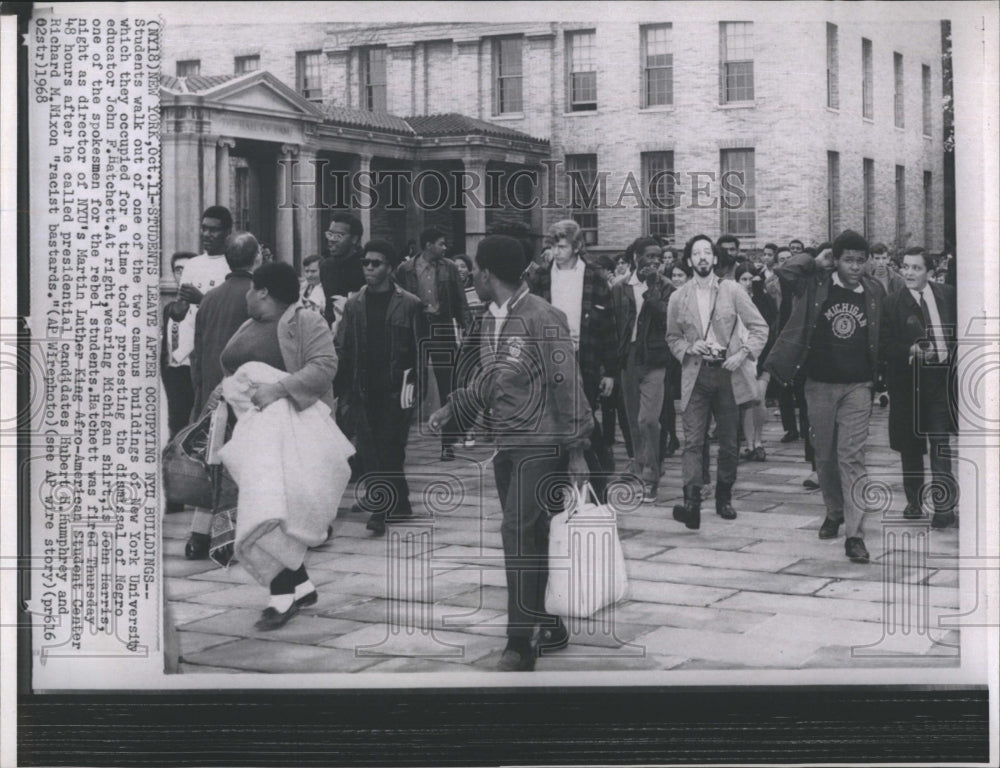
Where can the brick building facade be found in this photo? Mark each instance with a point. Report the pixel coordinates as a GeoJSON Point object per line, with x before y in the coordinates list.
{"type": "Point", "coordinates": [766, 129]}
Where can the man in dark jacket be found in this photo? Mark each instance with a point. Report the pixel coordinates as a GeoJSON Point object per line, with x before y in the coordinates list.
{"type": "Point", "coordinates": [340, 274]}
{"type": "Point", "coordinates": [223, 310]}
{"type": "Point", "coordinates": [377, 349]}
{"type": "Point", "coordinates": [527, 383]}
{"type": "Point", "coordinates": [581, 292]}
{"type": "Point", "coordinates": [436, 282]}
{"type": "Point", "coordinates": [641, 307]}
{"type": "Point", "coordinates": [832, 334]}
{"type": "Point", "coordinates": [917, 341]}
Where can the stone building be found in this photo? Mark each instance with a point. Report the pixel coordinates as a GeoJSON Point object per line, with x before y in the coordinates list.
{"type": "Point", "coordinates": [757, 126]}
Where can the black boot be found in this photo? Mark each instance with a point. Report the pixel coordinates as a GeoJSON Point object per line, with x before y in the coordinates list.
{"type": "Point", "coordinates": [723, 501]}
{"type": "Point", "coordinates": [689, 513]}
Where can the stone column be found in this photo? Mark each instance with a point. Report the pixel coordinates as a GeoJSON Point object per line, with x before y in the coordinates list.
{"type": "Point", "coordinates": [222, 148]}
{"type": "Point", "coordinates": [208, 166]}
{"type": "Point", "coordinates": [540, 194]}
{"type": "Point", "coordinates": [475, 215]}
{"type": "Point", "coordinates": [306, 198]}
{"type": "Point", "coordinates": [364, 213]}
{"type": "Point", "coordinates": [284, 237]}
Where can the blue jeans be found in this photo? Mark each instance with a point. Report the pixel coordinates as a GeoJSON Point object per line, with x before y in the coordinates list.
{"type": "Point", "coordinates": [838, 426]}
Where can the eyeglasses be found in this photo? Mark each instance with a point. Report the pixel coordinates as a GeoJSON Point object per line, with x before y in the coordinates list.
{"type": "Point", "coordinates": [371, 263]}
{"type": "Point", "coordinates": [334, 235]}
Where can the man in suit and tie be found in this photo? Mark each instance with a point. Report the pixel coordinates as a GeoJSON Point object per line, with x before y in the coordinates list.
{"type": "Point", "coordinates": [918, 342]}
{"type": "Point", "coordinates": [311, 288]}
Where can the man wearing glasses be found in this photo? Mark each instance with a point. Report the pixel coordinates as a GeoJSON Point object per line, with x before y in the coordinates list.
{"type": "Point", "coordinates": [377, 347]}
{"type": "Point", "coordinates": [340, 274]}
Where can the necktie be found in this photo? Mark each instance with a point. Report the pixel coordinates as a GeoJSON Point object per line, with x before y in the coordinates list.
{"type": "Point", "coordinates": [175, 336]}
{"type": "Point", "coordinates": [932, 332]}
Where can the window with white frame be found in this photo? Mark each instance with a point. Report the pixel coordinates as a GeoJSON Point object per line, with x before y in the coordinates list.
{"type": "Point", "coordinates": [582, 57]}
{"type": "Point", "coordinates": [897, 94]}
{"type": "Point", "coordinates": [657, 65]}
{"type": "Point", "coordinates": [867, 80]}
{"type": "Point", "coordinates": [832, 68]}
{"type": "Point", "coordinates": [244, 64]}
{"type": "Point", "coordinates": [833, 194]}
{"type": "Point", "coordinates": [868, 197]}
{"type": "Point", "coordinates": [508, 75]}
{"type": "Point", "coordinates": [738, 198]}
{"type": "Point", "coordinates": [736, 66]}
{"type": "Point", "coordinates": [658, 185]}
{"type": "Point", "coordinates": [925, 83]}
{"type": "Point", "coordinates": [307, 75]}
{"type": "Point", "coordinates": [581, 174]}
{"type": "Point", "coordinates": [900, 206]}
{"type": "Point", "coordinates": [373, 79]}
{"type": "Point", "coordinates": [189, 68]}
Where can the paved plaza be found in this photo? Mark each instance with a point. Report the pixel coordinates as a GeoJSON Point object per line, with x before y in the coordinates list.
{"type": "Point", "coordinates": [759, 592]}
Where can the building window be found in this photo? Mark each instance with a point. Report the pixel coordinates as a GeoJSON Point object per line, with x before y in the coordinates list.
{"type": "Point", "coordinates": [833, 194]}
{"type": "Point", "coordinates": [508, 73]}
{"type": "Point", "coordinates": [189, 68]}
{"type": "Point", "coordinates": [868, 193]}
{"type": "Point", "coordinates": [736, 66]}
{"type": "Point", "coordinates": [832, 68]}
{"type": "Point", "coordinates": [307, 75]}
{"type": "Point", "coordinates": [241, 203]}
{"type": "Point", "coordinates": [581, 173]}
{"type": "Point", "coordinates": [738, 198]}
{"type": "Point", "coordinates": [897, 95]}
{"type": "Point", "coordinates": [867, 81]}
{"type": "Point", "coordinates": [925, 79]}
{"type": "Point", "coordinates": [582, 71]}
{"type": "Point", "coordinates": [657, 65]}
{"type": "Point", "coordinates": [928, 209]}
{"type": "Point", "coordinates": [244, 64]}
{"type": "Point", "coordinates": [658, 182]}
{"type": "Point", "coordinates": [900, 206]}
{"type": "Point", "coordinates": [373, 79]}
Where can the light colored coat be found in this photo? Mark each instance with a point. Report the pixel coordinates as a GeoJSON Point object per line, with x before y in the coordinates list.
{"type": "Point", "coordinates": [684, 328]}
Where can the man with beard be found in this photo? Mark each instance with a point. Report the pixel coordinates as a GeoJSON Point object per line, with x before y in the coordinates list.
{"type": "Point", "coordinates": [728, 249]}
{"type": "Point", "coordinates": [702, 321]}
{"type": "Point", "coordinates": [340, 274]}
{"type": "Point", "coordinates": [832, 334]}
{"type": "Point", "coordinates": [376, 345]}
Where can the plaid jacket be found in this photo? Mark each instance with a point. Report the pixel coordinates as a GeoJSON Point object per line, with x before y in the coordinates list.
{"type": "Point", "coordinates": [598, 353]}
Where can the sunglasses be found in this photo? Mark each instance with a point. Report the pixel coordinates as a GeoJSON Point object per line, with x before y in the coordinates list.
{"type": "Point", "coordinates": [371, 263]}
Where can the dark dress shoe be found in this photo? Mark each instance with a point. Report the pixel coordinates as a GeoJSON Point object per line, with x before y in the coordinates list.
{"type": "Point", "coordinates": [516, 661]}
{"type": "Point", "coordinates": [447, 453]}
{"type": "Point", "coordinates": [552, 639]}
{"type": "Point", "coordinates": [271, 619]}
{"type": "Point", "coordinates": [310, 598]}
{"type": "Point", "coordinates": [809, 483]}
{"type": "Point", "coordinates": [759, 454]}
{"type": "Point", "coordinates": [790, 437]}
{"type": "Point", "coordinates": [942, 520]}
{"type": "Point", "coordinates": [855, 549]}
{"type": "Point", "coordinates": [725, 511]}
{"type": "Point", "coordinates": [913, 512]}
{"type": "Point", "coordinates": [376, 523]}
{"type": "Point", "coordinates": [197, 546]}
{"type": "Point", "coordinates": [830, 529]}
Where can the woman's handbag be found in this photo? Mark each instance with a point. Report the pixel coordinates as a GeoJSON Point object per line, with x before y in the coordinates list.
{"type": "Point", "coordinates": [186, 476]}
{"type": "Point", "coordinates": [586, 561]}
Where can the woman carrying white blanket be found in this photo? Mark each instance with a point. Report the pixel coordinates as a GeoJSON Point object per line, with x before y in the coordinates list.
{"type": "Point", "coordinates": [286, 454]}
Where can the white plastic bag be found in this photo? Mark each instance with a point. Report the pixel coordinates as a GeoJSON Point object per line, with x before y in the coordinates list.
{"type": "Point", "coordinates": [586, 561]}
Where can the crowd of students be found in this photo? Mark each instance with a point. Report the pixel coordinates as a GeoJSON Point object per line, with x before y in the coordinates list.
{"type": "Point", "coordinates": [601, 344]}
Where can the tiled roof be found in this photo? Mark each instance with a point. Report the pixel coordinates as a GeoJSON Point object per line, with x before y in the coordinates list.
{"type": "Point", "coordinates": [194, 84]}
{"type": "Point", "coordinates": [454, 124]}
{"type": "Point", "coordinates": [359, 118]}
